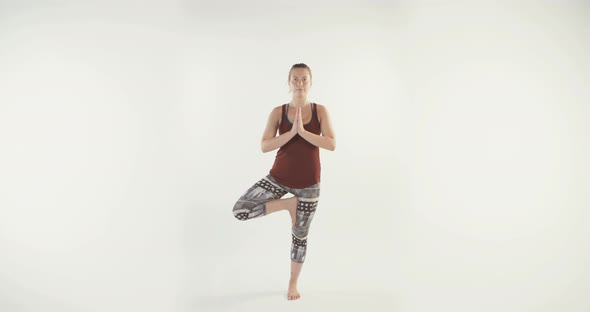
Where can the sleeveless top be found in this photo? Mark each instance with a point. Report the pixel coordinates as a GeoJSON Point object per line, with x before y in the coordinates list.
{"type": "Point", "coordinates": [297, 163]}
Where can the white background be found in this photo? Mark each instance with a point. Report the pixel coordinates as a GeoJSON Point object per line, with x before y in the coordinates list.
{"type": "Point", "coordinates": [460, 180]}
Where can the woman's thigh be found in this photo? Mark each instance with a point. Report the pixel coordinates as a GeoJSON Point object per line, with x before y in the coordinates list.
{"type": "Point", "coordinates": [308, 201]}
{"type": "Point", "coordinates": [252, 203]}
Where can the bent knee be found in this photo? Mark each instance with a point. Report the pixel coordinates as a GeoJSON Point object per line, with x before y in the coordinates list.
{"type": "Point", "coordinates": [240, 212]}
{"type": "Point", "coordinates": [242, 216]}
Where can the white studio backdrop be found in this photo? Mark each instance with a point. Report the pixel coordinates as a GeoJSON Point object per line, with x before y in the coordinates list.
{"type": "Point", "coordinates": [495, 147]}
{"type": "Point", "coordinates": [129, 130]}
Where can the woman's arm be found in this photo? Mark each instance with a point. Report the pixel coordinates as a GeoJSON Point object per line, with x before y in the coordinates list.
{"type": "Point", "coordinates": [327, 140]}
{"type": "Point", "coordinates": [269, 140]}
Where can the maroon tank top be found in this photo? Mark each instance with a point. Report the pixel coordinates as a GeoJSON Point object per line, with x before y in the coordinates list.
{"type": "Point", "coordinates": [297, 163]}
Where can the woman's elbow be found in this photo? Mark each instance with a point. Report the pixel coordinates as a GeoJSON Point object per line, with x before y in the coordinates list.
{"type": "Point", "coordinates": [332, 145]}
{"type": "Point", "coordinates": [264, 148]}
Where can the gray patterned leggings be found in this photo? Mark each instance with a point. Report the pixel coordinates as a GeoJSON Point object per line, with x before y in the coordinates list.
{"type": "Point", "coordinates": [252, 204]}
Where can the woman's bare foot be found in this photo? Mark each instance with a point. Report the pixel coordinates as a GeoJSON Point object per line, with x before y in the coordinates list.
{"type": "Point", "coordinates": [292, 293]}
{"type": "Point", "coordinates": [293, 209]}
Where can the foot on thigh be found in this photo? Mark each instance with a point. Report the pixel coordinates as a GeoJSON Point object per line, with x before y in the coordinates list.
{"type": "Point", "coordinates": [293, 210]}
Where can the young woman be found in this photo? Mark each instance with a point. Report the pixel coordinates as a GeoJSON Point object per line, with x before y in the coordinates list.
{"type": "Point", "coordinates": [303, 128]}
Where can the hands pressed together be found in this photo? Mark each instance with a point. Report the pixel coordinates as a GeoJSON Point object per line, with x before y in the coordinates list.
{"type": "Point", "coordinates": [298, 123]}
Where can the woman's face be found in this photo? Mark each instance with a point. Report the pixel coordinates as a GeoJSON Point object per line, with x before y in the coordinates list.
{"type": "Point", "coordinates": [300, 81]}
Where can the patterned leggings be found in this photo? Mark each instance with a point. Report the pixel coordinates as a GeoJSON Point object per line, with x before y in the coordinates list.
{"type": "Point", "coordinates": [252, 204]}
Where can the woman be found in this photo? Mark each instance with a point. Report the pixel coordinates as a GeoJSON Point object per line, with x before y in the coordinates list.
{"type": "Point", "coordinates": [303, 128]}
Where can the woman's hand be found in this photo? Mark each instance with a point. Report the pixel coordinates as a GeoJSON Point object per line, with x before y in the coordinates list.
{"type": "Point", "coordinates": [300, 128]}
{"type": "Point", "coordinates": [294, 129]}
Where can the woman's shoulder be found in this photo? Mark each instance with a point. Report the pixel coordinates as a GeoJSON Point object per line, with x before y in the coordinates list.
{"type": "Point", "coordinates": [277, 113]}
{"type": "Point", "coordinates": [277, 110]}
{"type": "Point", "coordinates": [322, 110]}
{"type": "Point", "coordinates": [320, 107]}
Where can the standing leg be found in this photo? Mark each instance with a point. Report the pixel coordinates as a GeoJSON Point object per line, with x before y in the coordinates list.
{"type": "Point", "coordinates": [306, 206]}
{"type": "Point", "coordinates": [305, 211]}
{"type": "Point", "coordinates": [293, 293]}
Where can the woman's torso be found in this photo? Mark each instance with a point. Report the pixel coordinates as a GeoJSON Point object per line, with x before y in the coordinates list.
{"type": "Point", "coordinates": [297, 163]}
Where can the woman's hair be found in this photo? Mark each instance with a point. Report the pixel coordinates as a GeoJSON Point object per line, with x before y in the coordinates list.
{"type": "Point", "coordinates": [299, 65]}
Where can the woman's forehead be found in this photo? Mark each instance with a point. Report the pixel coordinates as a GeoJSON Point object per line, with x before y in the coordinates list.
{"type": "Point", "coordinates": [299, 72]}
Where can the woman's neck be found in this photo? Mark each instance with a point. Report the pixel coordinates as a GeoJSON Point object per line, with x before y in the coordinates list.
{"type": "Point", "coordinates": [299, 102]}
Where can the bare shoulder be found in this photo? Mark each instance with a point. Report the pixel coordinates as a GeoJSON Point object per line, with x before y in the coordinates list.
{"type": "Point", "coordinates": [321, 108]}
{"type": "Point", "coordinates": [322, 111]}
{"type": "Point", "coordinates": [275, 114]}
